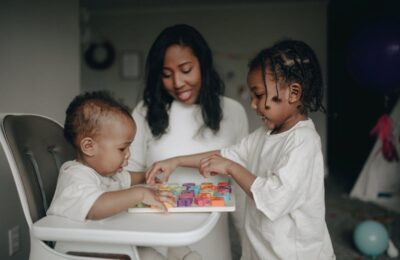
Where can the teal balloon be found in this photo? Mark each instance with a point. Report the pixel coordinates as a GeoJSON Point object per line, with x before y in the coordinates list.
{"type": "Point", "coordinates": [371, 238]}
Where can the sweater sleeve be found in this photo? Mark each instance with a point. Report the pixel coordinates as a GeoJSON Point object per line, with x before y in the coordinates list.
{"type": "Point", "coordinates": [241, 151]}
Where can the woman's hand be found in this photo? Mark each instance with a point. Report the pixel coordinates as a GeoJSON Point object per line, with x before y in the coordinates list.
{"type": "Point", "coordinates": [166, 167]}
{"type": "Point", "coordinates": [214, 164]}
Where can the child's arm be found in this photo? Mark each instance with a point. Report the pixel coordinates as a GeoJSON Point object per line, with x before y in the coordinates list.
{"type": "Point", "coordinates": [169, 165]}
{"type": "Point", "coordinates": [216, 163]}
{"type": "Point", "coordinates": [113, 202]}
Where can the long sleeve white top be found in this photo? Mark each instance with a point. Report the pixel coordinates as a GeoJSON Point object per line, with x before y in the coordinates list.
{"type": "Point", "coordinates": [286, 219]}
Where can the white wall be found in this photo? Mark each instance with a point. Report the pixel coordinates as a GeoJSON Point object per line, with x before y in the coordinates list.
{"type": "Point", "coordinates": [234, 32]}
{"type": "Point", "coordinates": [39, 73]}
{"type": "Point", "coordinates": [39, 56]}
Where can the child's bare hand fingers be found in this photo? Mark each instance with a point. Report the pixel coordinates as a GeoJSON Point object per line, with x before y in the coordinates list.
{"type": "Point", "coordinates": [147, 173]}
{"type": "Point", "coordinates": [206, 168]}
{"type": "Point", "coordinates": [204, 163]}
{"type": "Point", "coordinates": [165, 177]}
{"type": "Point", "coordinates": [151, 174]}
{"type": "Point", "coordinates": [203, 170]}
{"type": "Point", "coordinates": [149, 178]}
{"type": "Point", "coordinates": [166, 193]}
{"type": "Point", "coordinates": [168, 199]}
{"type": "Point", "coordinates": [159, 204]}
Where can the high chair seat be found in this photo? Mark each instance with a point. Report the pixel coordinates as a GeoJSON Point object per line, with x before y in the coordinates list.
{"type": "Point", "coordinates": [35, 148]}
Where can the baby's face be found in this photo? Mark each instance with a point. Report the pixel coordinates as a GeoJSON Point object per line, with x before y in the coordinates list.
{"type": "Point", "coordinates": [113, 143]}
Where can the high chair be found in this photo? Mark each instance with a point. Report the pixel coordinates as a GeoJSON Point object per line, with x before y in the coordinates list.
{"type": "Point", "coordinates": [35, 148]}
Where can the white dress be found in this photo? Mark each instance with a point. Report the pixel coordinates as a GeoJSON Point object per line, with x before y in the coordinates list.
{"type": "Point", "coordinates": [187, 135]}
{"type": "Point", "coordinates": [79, 186]}
{"type": "Point", "coordinates": [286, 219]}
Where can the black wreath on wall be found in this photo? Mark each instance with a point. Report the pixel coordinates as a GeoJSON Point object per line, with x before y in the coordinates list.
{"type": "Point", "coordinates": [92, 58]}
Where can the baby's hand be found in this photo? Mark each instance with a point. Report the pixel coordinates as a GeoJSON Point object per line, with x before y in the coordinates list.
{"type": "Point", "coordinates": [213, 164]}
{"type": "Point", "coordinates": [152, 196]}
{"type": "Point", "coordinates": [166, 167]}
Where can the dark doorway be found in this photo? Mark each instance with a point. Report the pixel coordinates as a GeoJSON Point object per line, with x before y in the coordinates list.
{"type": "Point", "coordinates": [353, 107]}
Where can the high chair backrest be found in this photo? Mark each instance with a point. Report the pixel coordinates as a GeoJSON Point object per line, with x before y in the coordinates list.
{"type": "Point", "coordinates": [36, 148]}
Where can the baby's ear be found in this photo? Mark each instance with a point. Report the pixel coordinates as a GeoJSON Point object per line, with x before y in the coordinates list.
{"type": "Point", "coordinates": [88, 146]}
{"type": "Point", "coordinates": [295, 92]}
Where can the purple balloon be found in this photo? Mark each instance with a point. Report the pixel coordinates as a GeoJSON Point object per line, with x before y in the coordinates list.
{"type": "Point", "coordinates": [373, 55]}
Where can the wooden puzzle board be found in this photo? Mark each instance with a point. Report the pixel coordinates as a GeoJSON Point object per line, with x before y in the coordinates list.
{"type": "Point", "coordinates": [228, 207]}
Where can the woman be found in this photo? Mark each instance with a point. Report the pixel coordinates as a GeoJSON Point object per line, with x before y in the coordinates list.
{"type": "Point", "coordinates": [183, 112]}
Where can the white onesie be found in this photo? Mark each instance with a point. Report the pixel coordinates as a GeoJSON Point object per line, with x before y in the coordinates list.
{"type": "Point", "coordinates": [79, 186]}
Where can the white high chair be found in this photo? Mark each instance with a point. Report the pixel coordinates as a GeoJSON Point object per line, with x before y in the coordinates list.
{"type": "Point", "coordinates": [35, 148]}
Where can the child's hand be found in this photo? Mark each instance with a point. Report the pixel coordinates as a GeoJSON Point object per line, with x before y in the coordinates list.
{"type": "Point", "coordinates": [152, 196]}
{"type": "Point", "coordinates": [213, 164]}
{"type": "Point", "coordinates": [166, 167]}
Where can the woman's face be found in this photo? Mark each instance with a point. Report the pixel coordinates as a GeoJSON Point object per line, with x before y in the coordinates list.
{"type": "Point", "coordinates": [181, 74]}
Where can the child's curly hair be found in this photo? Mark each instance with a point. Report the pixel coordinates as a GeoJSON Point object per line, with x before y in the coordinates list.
{"type": "Point", "coordinates": [87, 111]}
{"type": "Point", "coordinates": [293, 62]}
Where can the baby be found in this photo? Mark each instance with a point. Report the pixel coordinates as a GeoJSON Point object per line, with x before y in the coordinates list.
{"type": "Point", "coordinates": [94, 185]}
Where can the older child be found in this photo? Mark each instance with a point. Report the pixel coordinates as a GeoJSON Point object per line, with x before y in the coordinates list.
{"type": "Point", "coordinates": [280, 166]}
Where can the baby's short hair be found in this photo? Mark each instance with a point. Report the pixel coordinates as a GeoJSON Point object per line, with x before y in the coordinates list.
{"type": "Point", "coordinates": [87, 111]}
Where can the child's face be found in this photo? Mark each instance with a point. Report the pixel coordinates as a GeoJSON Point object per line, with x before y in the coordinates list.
{"type": "Point", "coordinates": [277, 115]}
{"type": "Point", "coordinates": [112, 145]}
{"type": "Point", "coordinates": [181, 75]}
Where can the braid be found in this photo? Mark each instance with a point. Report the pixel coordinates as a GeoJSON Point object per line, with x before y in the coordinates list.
{"type": "Point", "coordinates": [294, 62]}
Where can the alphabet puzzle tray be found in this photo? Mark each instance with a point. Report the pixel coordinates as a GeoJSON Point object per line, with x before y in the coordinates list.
{"type": "Point", "coordinates": [191, 197]}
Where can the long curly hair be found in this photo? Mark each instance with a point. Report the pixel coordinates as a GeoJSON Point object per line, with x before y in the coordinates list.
{"type": "Point", "coordinates": [156, 98]}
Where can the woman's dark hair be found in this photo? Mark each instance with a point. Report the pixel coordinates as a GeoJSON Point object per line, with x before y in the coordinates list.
{"type": "Point", "coordinates": [156, 98]}
{"type": "Point", "coordinates": [294, 62]}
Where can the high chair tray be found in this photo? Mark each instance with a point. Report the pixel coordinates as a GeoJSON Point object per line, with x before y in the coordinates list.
{"type": "Point", "coordinates": [131, 229]}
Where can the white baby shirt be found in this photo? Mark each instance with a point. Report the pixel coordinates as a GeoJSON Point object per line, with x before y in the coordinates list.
{"type": "Point", "coordinates": [286, 219]}
{"type": "Point", "coordinates": [79, 186]}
